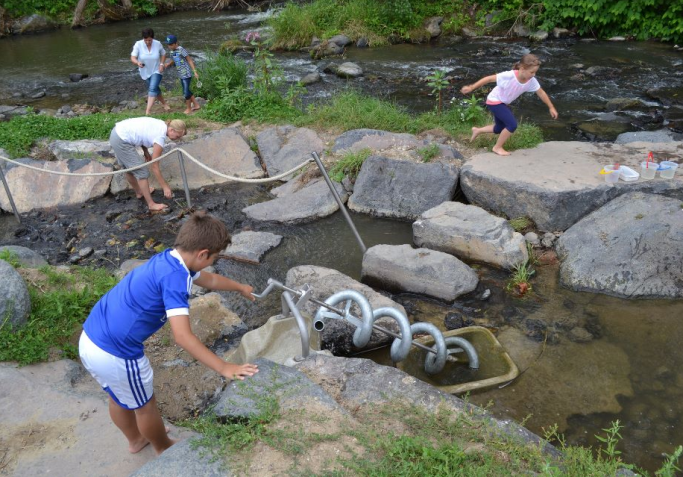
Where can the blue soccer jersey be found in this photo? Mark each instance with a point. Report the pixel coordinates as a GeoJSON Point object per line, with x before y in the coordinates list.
{"type": "Point", "coordinates": [140, 304]}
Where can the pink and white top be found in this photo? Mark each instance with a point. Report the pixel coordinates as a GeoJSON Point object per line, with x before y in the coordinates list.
{"type": "Point", "coordinates": [508, 88]}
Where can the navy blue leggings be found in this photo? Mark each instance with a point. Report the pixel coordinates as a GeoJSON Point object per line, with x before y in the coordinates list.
{"type": "Point", "coordinates": [504, 119]}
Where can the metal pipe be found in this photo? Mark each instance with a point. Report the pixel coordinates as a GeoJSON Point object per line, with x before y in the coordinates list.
{"type": "Point", "coordinates": [467, 347]}
{"type": "Point", "coordinates": [301, 323]}
{"type": "Point", "coordinates": [184, 176]}
{"type": "Point", "coordinates": [342, 207]}
{"type": "Point", "coordinates": [9, 194]}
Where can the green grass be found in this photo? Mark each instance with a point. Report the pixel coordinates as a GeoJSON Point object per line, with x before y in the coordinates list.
{"type": "Point", "coordinates": [520, 224]}
{"type": "Point", "coordinates": [430, 152]}
{"type": "Point", "coordinates": [349, 165]}
{"type": "Point", "coordinates": [58, 308]}
{"type": "Point", "coordinates": [10, 258]}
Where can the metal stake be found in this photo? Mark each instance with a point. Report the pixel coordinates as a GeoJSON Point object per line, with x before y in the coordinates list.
{"type": "Point", "coordinates": [9, 194]}
{"type": "Point", "coordinates": [184, 176]}
{"type": "Point", "coordinates": [363, 248]}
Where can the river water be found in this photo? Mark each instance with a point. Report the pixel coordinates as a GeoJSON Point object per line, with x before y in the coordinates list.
{"type": "Point", "coordinates": [629, 371]}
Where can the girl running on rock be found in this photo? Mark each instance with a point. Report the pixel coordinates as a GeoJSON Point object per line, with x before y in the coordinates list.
{"type": "Point", "coordinates": [509, 86]}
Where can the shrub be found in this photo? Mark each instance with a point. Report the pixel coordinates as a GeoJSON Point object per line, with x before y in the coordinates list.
{"type": "Point", "coordinates": [221, 72]}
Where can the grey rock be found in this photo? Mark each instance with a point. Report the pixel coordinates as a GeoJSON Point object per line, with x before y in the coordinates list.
{"type": "Point", "coordinates": [663, 135]}
{"type": "Point", "coordinates": [470, 233]}
{"type": "Point", "coordinates": [76, 77]}
{"type": "Point", "coordinates": [423, 271]}
{"type": "Point", "coordinates": [631, 247]}
{"type": "Point", "coordinates": [284, 147]}
{"type": "Point", "coordinates": [532, 238]}
{"type": "Point", "coordinates": [128, 265]}
{"type": "Point", "coordinates": [252, 245]}
{"type": "Point", "coordinates": [183, 459]}
{"type": "Point", "coordinates": [292, 388]}
{"type": "Point", "coordinates": [599, 71]}
{"type": "Point", "coordinates": [15, 302]}
{"type": "Point", "coordinates": [64, 109]}
{"type": "Point", "coordinates": [433, 26]}
{"type": "Point", "coordinates": [32, 24]}
{"type": "Point", "coordinates": [399, 144]}
{"type": "Point", "coordinates": [10, 111]}
{"type": "Point", "coordinates": [617, 38]}
{"type": "Point", "coordinates": [555, 201]}
{"type": "Point", "coordinates": [38, 95]}
{"type": "Point", "coordinates": [620, 104]}
{"type": "Point", "coordinates": [561, 32]}
{"type": "Point", "coordinates": [311, 202]}
{"type": "Point", "coordinates": [349, 70]}
{"type": "Point", "coordinates": [341, 40]}
{"type": "Point", "coordinates": [580, 335]}
{"type": "Point", "coordinates": [85, 252]}
{"type": "Point", "coordinates": [548, 239]}
{"type": "Point", "coordinates": [25, 256]}
{"type": "Point", "coordinates": [310, 79]}
{"type": "Point", "coordinates": [338, 334]}
{"type": "Point", "coordinates": [362, 43]}
{"type": "Point", "coordinates": [348, 185]}
{"type": "Point", "coordinates": [401, 189]}
{"type": "Point", "coordinates": [86, 148]}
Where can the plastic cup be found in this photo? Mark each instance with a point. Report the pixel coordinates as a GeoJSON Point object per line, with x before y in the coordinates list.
{"type": "Point", "coordinates": [668, 169]}
{"type": "Point", "coordinates": [612, 178]}
{"type": "Point", "coordinates": [648, 170]}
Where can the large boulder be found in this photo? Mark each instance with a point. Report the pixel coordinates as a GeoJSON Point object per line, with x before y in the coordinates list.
{"type": "Point", "coordinates": [284, 147]}
{"type": "Point", "coordinates": [15, 302]}
{"type": "Point", "coordinates": [402, 189]}
{"type": "Point", "coordinates": [32, 189]}
{"type": "Point", "coordinates": [26, 257]}
{"type": "Point", "coordinates": [325, 282]}
{"type": "Point", "coordinates": [389, 144]}
{"type": "Point", "coordinates": [84, 149]}
{"type": "Point", "coordinates": [311, 202]}
{"type": "Point", "coordinates": [251, 246]}
{"type": "Point", "coordinates": [9, 111]}
{"type": "Point", "coordinates": [33, 24]}
{"type": "Point", "coordinates": [423, 271]}
{"type": "Point", "coordinates": [632, 248]}
{"type": "Point", "coordinates": [470, 233]}
{"type": "Point", "coordinates": [558, 183]}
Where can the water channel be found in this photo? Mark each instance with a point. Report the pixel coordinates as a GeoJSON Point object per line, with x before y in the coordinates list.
{"type": "Point", "coordinates": [629, 370]}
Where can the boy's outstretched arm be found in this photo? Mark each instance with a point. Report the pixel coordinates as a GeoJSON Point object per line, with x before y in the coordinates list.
{"type": "Point", "coordinates": [544, 97]}
{"type": "Point", "coordinates": [471, 87]}
{"type": "Point", "coordinates": [186, 339]}
{"type": "Point", "coordinates": [193, 66]}
{"type": "Point", "coordinates": [213, 281]}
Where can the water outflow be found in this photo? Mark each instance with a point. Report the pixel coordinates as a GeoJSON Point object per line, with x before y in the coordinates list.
{"type": "Point", "coordinates": [435, 360]}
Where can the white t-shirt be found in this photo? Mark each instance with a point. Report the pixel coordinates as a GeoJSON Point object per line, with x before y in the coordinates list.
{"type": "Point", "coordinates": [150, 57]}
{"type": "Point", "coordinates": [508, 88]}
{"type": "Point", "coordinates": [142, 131]}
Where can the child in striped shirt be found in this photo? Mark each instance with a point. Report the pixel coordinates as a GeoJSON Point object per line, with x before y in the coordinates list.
{"type": "Point", "coordinates": [183, 62]}
{"type": "Point", "coordinates": [509, 86]}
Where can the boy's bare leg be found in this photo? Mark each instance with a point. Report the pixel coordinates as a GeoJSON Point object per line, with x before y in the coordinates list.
{"type": "Point", "coordinates": [125, 420]}
{"type": "Point", "coordinates": [143, 189]}
{"type": "Point", "coordinates": [151, 426]}
{"type": "Point", "coordinates": [188, 106]}
{"type": "Point", "coordinates": [193, 101]}
{"type": "Point", "coordinates": [477, 131]}
{"type": "Point", "coordinates": [502, 138]}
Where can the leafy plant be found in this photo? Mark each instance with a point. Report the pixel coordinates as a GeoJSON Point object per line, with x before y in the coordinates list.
{"type": "Point", "coordinates": [611, 439]}
{"type": "Point", "coordinates": [438, 82]}
{"type": "Point", "coordinates": [669, 467]}
{"type": "Point", "coordinates": [221, 73]}
{"type": "Point", "coordinates": [10, 257]}
{"type": "Point", "coordinates": [520, 280]}
{"type": "Point", "coordinates": [266, 73]}
{"type": "Point", "coordinates": [349, 165]}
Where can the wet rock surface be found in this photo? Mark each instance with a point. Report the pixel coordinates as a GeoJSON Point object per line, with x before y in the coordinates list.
{"type": "Point", "coordinates": [252, 246]}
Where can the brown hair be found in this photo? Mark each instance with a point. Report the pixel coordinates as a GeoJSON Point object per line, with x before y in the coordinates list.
{"type": "Point", "coordinates": [147, 33]}
{"type": "Point", "coordinates": [202, 231]}
{"type": "Point", "coordinates": [527, 62]}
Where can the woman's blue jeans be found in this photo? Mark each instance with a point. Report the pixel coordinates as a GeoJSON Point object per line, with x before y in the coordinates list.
{"type": "Point", "coordinates": [153, 85]}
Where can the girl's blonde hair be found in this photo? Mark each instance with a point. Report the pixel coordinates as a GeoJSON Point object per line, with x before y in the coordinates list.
{"type": "Point", "coordinates": [527, 62]}
{"type": "Point", "coordinates": [177, 125]}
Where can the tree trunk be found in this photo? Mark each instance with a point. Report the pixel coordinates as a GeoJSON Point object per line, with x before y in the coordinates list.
{"type": "Point", "coordinates": [78, 13]}
{"type": "Point", "coordinates": [116, 12]}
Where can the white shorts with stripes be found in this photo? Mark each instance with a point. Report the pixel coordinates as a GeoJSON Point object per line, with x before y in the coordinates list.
{"type": "Point", "coordinates": [128, 381]}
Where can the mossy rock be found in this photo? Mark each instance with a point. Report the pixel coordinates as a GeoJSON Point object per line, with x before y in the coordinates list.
{"type": "Point", "coordinates": [231, 46]}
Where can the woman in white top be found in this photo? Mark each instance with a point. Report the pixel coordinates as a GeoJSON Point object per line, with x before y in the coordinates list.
{"type": "Point", "coordinates": [510, 85]}
{"type": "Point", "coordinates": [131, 133]}
{"type": "Point", "coordinates": [149, 56]}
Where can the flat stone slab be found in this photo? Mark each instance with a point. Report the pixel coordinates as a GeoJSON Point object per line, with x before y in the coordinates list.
{"type": "Point", "coordinates": [423, 271]}
{"type": "Point", "coordinates": [84, 149]}
{"type": "Point", "coordinates": [311, 202]}
{"type": "Point", "coordinates": [631, 248]}
{"type": "Point", "coordinates": [558, 183]}
{"type": "Point", "coordinates": [402, 189]}
{"type": "Point", "coordinates": [32, 189]}
{"type": "Point", "coordinates": [470, 233]}
{"type": "Point", "coordinates": [252, 246]}
{"type": "Point", "coordinates": [184, 459]}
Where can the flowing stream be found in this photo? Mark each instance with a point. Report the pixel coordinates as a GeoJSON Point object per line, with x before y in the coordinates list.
{"type": "Point", "coordinates": [629, 370]}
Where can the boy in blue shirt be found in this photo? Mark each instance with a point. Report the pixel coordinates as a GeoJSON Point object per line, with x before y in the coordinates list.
{"type": "Point", "coordinates": [183, 62]}
{"type": "Point", "coordinates": [111, 345]}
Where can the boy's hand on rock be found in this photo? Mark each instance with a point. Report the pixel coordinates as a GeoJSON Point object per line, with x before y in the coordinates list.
{"type": "Point", "coordinates": [238, 371]}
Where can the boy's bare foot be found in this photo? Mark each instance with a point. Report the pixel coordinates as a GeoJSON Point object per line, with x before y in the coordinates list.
{"type": "Point", "coordinates": [135, 447]}
{"type": "Point", "coordinates": [155, 208]}
{"type": "Point", "coordinates": [167, 107]}
{"type": "Point", "coordinates": [196, 108]}
{"type": "Point", "coordinates": [188, 111]}
{"type": "Point", "coordinates": [151, 189]}
{"type": "Point", "coordinates": [475, 133]}
{"type": "Point", "coordinates": [500, 151]}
